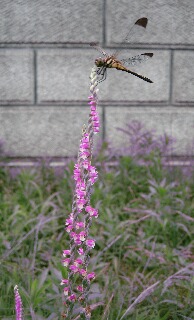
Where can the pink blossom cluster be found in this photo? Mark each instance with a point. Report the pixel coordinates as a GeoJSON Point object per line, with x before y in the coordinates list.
{"type": "Point", "coordinates": [84, 174]}
{"type": "Point", "coordinates": [76, 258]}
{"type": "Point", "coordinates": [18, 304]}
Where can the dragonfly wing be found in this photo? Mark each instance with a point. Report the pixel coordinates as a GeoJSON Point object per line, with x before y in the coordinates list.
{"type": "Point", "coordinates": [142, 22]}
{"type": "Point", "coordinates": [134, 61]}
{"type": "Point", "coordinates": [135, 31]}
{"type": "Point", "coordinates": [95, 46]}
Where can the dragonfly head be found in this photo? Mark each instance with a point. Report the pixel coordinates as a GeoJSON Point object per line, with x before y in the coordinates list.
{"type": "Point", "coordinates": [99, 62]}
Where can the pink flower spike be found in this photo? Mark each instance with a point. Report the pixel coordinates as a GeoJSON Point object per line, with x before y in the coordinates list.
{"type": "Point", "coordinates": [77, 224]}
{"type": "Point", "coordinates": [18, 304]}
{"type": "Point", "coordinates": [91, 276]}
{"type": "Point", "coordinates": [90, 243]}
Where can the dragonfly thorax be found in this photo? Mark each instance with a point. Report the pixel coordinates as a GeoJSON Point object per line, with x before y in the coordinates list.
{"type": "Point", "coordinates": [108, 62]}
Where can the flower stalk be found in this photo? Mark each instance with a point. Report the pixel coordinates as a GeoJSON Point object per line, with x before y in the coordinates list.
{"type": "Point", "coordinates": [76, 258]}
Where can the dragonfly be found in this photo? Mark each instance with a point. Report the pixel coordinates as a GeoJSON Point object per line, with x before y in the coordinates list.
{"type": "Point", "coordinates": [112, 61]}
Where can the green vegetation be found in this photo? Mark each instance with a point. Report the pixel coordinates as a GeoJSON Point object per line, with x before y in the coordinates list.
{"type": "Point", "coordinates": [143, 235]}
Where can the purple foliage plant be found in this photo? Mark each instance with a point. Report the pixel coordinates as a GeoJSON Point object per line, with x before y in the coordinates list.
{"type": "Point", "coordinates": [142, 142]}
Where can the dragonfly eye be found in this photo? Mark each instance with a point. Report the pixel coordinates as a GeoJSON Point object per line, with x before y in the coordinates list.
{"type": "Point", "coordinates": [99, 62]}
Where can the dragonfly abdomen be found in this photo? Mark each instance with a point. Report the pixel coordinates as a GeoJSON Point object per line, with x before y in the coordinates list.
{"type": "Point", "coordinates": [134, 73]}
{"type": "Point", "coordinates": [117, 65]}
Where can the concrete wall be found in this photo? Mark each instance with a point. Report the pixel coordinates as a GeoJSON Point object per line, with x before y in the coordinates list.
{"type": "Point", "coordinates": [45, 62]}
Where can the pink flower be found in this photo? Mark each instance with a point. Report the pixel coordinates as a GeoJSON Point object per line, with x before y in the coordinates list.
{"type": "Point", "coordinates": [69, 228]}
{"type": "Point", "coordinates": [80, 203]}
{"type": "Point", "coordinates": [91, 276]}
{"type": "Point", "coordinates": [77, 172]}
{"type": "Point", "coordinates": [90, 243]}
{"type": "Point", "coordinates": [73, 235]}
{"type": "Point", "coordinates": [80, 288]}
{"type": "Point", "coordinates": [93, 174]}
{"type": "Point", "coordinates": [85, 164]}
{"type": "Point", "coordinates": [76, 238]}
{"type": "Point", "coordinates": [77, 242]}
{"type": "Point", "coordinates": [66, 291]}
{"type": "Point", "coordinates": [69, 221]}
{"type": "Point", "coordinates": [72, 297]}
{"type": "Point", "coordinates": [92, 102]}
{"type": "Point", "coordinates": [66, 253]}
{"type": "Point", "coordinates": [92, 211]}
{"type": "Point", "coordinates": [77, 262]}
{"type": "Point", "coordinates": [66, 262]}
{"type": "Point", "coordinates": [64, 281]}
{"type": "Point", "coordinates": [84, 155]}
{"type": "Point", "coordinates": [74, 268]}
{"type": "Point", "coordinates": [80, 193]}
{"type": "Point", "coordinates": [83, 272]}
{"type": "Point", "coordinates": [79, 225]}
{"type": "Point", "coordinates": [82, 235]}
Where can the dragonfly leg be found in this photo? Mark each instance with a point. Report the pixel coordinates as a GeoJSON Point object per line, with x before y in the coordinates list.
{"type": "Point", "coordinates": [104, 74]}
{"type": "Point", "coordinates": [101, 72]}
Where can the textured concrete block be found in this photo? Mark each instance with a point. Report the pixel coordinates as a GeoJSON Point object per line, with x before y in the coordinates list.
{"type": "Point", "coordinates": [176, 122]}
{"type": "Point", "coordinates": [170, 22]}
{"type": "Point", "coordinates": [44, 131]}
{"type": "Point", "coordinates": [17, 76]}
{"type": "Point", "coordinates": [183, 79]}
{"type": "Point", "coordinates": [63, 75]}
{"type": "Point", "coordinates": [53, 21]}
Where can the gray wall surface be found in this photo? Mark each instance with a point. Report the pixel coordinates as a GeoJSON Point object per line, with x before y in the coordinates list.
{"type": "Point", "coordinates": [45, 63]}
